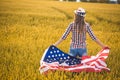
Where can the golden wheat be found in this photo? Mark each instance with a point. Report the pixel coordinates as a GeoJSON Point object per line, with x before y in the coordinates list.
{"type": "Point", "coordinates": [27, 28]}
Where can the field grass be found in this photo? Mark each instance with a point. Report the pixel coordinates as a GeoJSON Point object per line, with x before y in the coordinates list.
{"type": "Point", "coordinates": [28, 27]}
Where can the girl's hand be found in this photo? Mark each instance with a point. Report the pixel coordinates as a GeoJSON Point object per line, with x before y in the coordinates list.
{"type": "Point", "coordinates": [58, 42]}
{"type": "Point", "coordinates": [105, 46]}
{"type": "Point", "coordinates": [53, 44]}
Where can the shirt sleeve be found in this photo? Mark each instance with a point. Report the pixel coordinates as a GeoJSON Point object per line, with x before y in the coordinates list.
{"type": "Point", "coordinates": [66, 33]}
{"type": "Point", "coordinates": [90, 32]}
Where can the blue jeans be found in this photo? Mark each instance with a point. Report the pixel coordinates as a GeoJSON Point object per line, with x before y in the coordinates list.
{"type": "Point", "coordinates": [78, 52]}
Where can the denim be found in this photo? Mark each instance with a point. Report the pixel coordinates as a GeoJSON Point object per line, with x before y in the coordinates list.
{"type": "Point", "coordinates": [78, 52]}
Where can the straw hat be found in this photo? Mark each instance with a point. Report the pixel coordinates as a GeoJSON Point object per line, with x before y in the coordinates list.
{"type": "Point", "coordinates": [80, 11]}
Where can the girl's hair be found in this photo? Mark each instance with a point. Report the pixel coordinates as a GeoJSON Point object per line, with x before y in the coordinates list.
{"type": "Point", "coordinates": [79, 23]}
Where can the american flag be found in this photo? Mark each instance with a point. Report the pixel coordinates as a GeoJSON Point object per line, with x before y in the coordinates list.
{"type": "Point", "coordinates": [55, 59]}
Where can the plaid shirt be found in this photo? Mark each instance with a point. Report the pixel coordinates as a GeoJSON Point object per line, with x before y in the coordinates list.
{"type": "Point", "coordinates": [78, 39]}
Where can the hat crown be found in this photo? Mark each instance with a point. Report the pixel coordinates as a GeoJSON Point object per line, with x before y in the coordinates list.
{"type": "Point", "coordinates": [80, 11]}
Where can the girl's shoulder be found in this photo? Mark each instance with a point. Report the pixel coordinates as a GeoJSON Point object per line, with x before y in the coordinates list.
{"type": "Point", "coordinates": [71, 24]}
{"type": "Point", "coordinates": [87, 24]}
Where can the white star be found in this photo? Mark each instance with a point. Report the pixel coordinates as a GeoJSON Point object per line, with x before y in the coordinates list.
{"type": "Point", "coordinates": [57, 51]}
{"type": "Point", "coordinates": [51, 52]}
{"type": "Point", "coordinates": [54, 51]}
{"type": "Point", "coordinates": [52, 47]}
{"type": "Point", "coordinates": [74, 62]}
{"type": "Point", "coordinates": [73, 59]}
{"type": "Point", "coordinates": [68, 57]}
{"type": "Point", "coordinates": [52, 55]}
{"type": "Point", "coordinates": [61, 58]}
{"type": "Point", "coordinates": [77, 62]}
{"type": "Point", "coordinates": [64, 57]}
{"type": "Point", "coordinates": [62, 54]}
{"type": "Point", "coordinates": [56, 55]}
{"type": "Point", "coordinates": [49, 56]}
{"type": "Point", "coordinates": [47, 59]}
{"type": "Point", "coordinates": [59, 55]}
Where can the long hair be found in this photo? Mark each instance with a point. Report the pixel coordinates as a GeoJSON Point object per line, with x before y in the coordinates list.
{"type": "Point", "coordinates": [79, 23]}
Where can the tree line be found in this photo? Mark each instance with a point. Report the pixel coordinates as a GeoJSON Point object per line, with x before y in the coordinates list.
{"type": "Point", "coordinates": [100, 1]}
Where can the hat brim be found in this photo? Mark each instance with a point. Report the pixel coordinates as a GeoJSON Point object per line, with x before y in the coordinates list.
{"type": "Point", "coordinates": [76, 12]}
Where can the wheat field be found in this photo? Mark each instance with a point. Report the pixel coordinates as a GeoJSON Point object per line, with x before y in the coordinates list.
{"type": "Point", "coordinates": [28, 27]}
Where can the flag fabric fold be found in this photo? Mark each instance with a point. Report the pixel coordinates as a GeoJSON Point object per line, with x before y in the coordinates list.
{"type": "Point", "coordinates": [55, 59]}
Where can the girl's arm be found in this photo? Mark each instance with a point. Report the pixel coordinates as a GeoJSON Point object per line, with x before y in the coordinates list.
{"type": "Point", "coordinates": [90, 32]}
{"type": "Point", "coordinates": [100, 43]}
{"type": "Point", "coordinates": [58, 42]}
{"type": "Point", "coordinates": [66, 33]}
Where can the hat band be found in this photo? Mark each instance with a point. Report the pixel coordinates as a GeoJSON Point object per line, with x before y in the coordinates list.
{"type": "Point", "coordinates": [80, 13]}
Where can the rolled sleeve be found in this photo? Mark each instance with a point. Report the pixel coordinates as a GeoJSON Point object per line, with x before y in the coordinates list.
{"type": "Point", "coordinates": [66, 33]}
{"type": "Point", "coordinates": [90, 32]}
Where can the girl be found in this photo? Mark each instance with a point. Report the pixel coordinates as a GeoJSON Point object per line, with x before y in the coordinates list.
{"type": "Point", "coordinates": [79, 28]}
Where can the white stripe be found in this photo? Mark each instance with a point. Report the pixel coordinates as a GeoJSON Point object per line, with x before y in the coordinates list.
{"type": "Point", "coordinates": [106, 51]}
{"type": "Point", "coordinates": [41, 61]}
{"type": "Point", "coordinates": [103, 57]}
{"type": "Point", "coordinates": [63, 64]}
{"type": "Point", "coordinates": [88, 66]}
{"type": "Point", "coordinates": [44, 70]}
{"type": "Point", "coordinates": [90, 59]}
{"type": "Point", "coordinates": [83, 67]}
{"type": "Point", "coordinates": [102, 62]}
{"type": "Point", "coordinates": [50, 64]}
{"type": "Point", "coordinates": [97, 65]}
